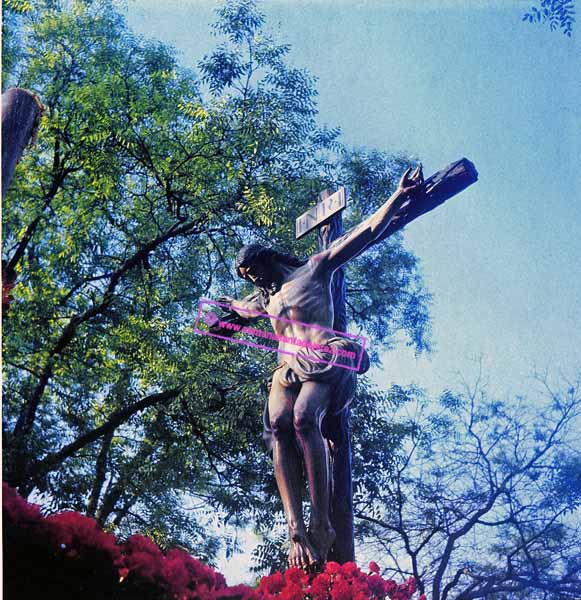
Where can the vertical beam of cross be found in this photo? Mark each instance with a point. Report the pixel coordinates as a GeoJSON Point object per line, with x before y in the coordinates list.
{"type": "Point", "coordinates": [337, 427]}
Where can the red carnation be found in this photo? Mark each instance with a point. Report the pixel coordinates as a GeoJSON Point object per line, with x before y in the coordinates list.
{"type": "Point", "coordinates": [17, 510]}
{"type": "Point", "coordinates": [376, 585]}
{"type": "Point", "coordinates": [341, 591]}
{"type": "Point", "coordinates": [350, 569]}
{"type": "Point", "coordinates": [322, 580]}
{"type": "Point", "coordinates": [296, 576]}
{"type": "Point", "coordinates": [319, 588]}
{"type": "Point", "coordinates": [292, 591]}
{"type": "Point", "coordinates": [176, 573]}
{"type": "Point", "coordinates": [332, 568]}
{"type": "Point", "coordinates": [75, 533]}
{"type": "Point", "coordinates": [241, 592]}
{"type": "Point", "coordinates": [389, 587]}
{"type": "Point", "coordinates": [143, 557]}
{"type": "Point", "coordinates": [272, 584]}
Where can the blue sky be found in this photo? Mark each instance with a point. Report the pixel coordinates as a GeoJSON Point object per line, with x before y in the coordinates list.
{"type": "Point", "coordinates": [442, 80]}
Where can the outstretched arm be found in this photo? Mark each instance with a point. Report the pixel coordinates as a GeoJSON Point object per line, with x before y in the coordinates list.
{"type": "Point", "coordinates": [370, 230]}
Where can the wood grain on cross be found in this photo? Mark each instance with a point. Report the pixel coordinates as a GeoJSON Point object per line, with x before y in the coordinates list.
{"type": "Point", "coordinates": [21, 112]}
{"type": "Point", "coordinates": [438, 188]}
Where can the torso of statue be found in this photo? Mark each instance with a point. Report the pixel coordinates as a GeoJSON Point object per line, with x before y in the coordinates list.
{"type": "Point", "coordinates": [303, 307]}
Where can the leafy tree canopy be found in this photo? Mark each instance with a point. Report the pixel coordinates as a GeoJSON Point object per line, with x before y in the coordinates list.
{"type": "Point", "coordinates": [145, 180]}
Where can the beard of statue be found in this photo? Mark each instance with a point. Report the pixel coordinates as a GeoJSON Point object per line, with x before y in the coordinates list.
{"type": "Point", "coordinates": [271, 279]}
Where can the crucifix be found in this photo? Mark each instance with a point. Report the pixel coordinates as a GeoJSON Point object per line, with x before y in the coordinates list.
{"type": "Point", "coordinates": [307, 413]}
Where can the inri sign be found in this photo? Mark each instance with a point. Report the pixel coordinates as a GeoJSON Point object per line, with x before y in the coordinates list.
{"type": "Point", "coordinates": [327, 207]}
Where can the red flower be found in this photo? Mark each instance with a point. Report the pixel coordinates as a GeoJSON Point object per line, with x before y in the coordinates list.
{"type": "Point", "coordinates": [292, 591]}
{"type": "Point", "coordinates": [179, 576]}
{"type": "Point", "coordinates": [332, 567]}
{"type": "Point", "coordinates": [376, 585]}
{"type": "Point", "coordinates": [143, 558]}
{"type": "Point", "coordinates": [242, 592]}
{"type": "Point", "coordinates": [17, 510]}
{"type": "Point", "coordinates": [350, 569]}
{"type": "Point", "coordinates": [74, 533]}
{"type": "Point", "coordinates": [322, 580]}
{"type": "Point", "coordinates": [360, 584]}
{"type": "Point", "coordinates": [296, 576]}
{"type": "Point", "coordinates": [319, 588]}
{"type": "Point", "coordinates": [175, 571]}
{"type": "Point", "coordinates": [272, 584]}
{"type": "Point", "coordinates": [341, 590]}
{"type": "Point", "coordinates": [389, 587]}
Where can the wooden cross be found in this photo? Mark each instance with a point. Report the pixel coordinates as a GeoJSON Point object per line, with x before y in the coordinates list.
{"type": "Point", "coordinates": [21, 112]}
{"type": "Point", "coordinates": [327, 218]}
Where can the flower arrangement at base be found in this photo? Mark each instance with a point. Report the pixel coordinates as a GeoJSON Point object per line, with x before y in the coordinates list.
{"type": "Point", "coordinates": [67, 555]}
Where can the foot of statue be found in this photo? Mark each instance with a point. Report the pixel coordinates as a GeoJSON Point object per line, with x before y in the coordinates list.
{"type": "Point", "coordinates": [302, 554]}
{"type": "Point", "coordinates": [322, 538]}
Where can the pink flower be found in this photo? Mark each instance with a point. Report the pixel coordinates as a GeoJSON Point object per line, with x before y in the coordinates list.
{"type": "Point", "coordinates": [374, 567]}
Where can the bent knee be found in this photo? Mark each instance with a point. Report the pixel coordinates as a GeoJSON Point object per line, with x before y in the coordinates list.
{"type": "Point", "coordinates": [282, 423]}
{"type": "Point", "coordinates": [305, 422]}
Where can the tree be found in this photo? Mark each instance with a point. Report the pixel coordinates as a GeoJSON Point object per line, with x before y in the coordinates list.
{"type": "Point", "coordinates": [484, 502]}
{"type": "Point", "coordinates": [144, 183]}
{"type": "Point", "coordinates": [559, 14]}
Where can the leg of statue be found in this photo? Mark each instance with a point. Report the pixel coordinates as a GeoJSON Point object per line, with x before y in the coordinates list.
{"type": "Point", "coordinates": [288, 472]}
{"type": "Point", "coordinates": [309, 410]}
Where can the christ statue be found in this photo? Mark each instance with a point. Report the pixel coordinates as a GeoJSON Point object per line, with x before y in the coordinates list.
{"type": "Point", "coordinates": [318, 378]}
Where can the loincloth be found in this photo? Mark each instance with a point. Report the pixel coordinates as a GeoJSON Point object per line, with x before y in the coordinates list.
{"type": "Point", "coordinates": [338, 364]}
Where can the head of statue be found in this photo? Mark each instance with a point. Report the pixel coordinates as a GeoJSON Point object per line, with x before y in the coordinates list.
{"type": "Point", "coordinates": [262, 266]}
